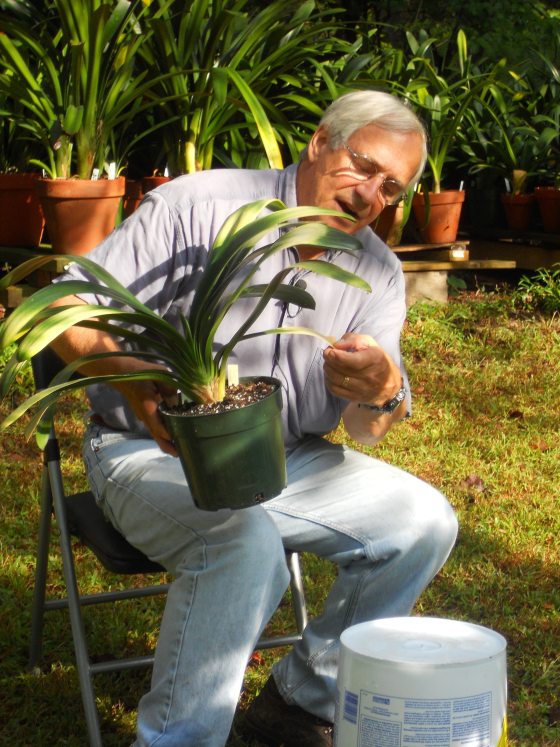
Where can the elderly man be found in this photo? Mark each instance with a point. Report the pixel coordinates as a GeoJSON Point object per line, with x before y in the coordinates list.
{"type": "Point", "coordinates": [387, 532]}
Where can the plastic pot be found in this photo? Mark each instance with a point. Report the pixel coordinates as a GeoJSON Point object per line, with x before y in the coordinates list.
{"type": "Point", "coordinates": [233, 459]}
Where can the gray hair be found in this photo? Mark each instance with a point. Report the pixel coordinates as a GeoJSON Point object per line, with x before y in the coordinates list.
{"type": "Point", "coordinates": [355, 110]}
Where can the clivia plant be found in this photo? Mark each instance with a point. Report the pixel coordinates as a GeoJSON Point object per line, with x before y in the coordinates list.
{"type": "Point", "coordinates": [214, 448]}
{"type": "Point", "coordinates": [189, 362]}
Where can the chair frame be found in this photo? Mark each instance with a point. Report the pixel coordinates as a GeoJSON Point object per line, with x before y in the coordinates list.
{"type": "Point", "coordinates": [54, 502]}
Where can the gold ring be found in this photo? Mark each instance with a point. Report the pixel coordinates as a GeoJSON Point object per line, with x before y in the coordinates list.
{"type": "Point", "coordinates": [345, 382]}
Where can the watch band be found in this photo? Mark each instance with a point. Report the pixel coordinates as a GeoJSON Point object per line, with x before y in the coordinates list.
{"type": "Point", "coordinates": [391, 404]}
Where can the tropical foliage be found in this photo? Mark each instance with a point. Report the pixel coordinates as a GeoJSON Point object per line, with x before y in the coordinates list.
{"type": "Point", "coordinates": [190, 363]}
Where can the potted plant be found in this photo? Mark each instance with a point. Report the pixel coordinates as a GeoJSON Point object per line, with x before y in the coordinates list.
{"type": "Point", "coordinates": [513, 142]}
{"type": "Point", "coordinates": [186, 358]}
{"type": "Point", "coordinates": [74, 78]}
{"type": "Point", "coordinates": [230, 66]}
{"type": "Point", "coordinates": [391, 223]}
{"type": "Point", "coordinates": [443, 97]}
{"type": "Point", "coordinates": [21, 217]}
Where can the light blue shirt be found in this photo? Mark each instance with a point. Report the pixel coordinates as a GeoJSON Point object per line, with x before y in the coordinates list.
{"type": "Point", "coordinates": [161, 249]}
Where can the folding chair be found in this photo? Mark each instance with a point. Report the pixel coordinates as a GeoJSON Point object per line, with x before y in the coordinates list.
{"type": "Point", "coordinates": [77, 515]}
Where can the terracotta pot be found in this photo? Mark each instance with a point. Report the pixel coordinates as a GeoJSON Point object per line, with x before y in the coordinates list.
{"type": "Point", "coordinates": [438, 217]}
{"type": "Point", "coordinates": [133, 194]}
{"type": "Point", "coordinates": [519, 210]}
{"type": "Point", "coordinates": [389, 225]}
{"type": "Point", "coordinates": [548, 200]}
{"type": "Point", "coordinates": [151, 182]}
{"type": "Point", "coordinates": [79, 213]}
{"type": "Point", "coordinates": [21, 217]}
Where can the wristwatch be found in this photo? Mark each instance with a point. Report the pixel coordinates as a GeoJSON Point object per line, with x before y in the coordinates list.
{"type": "Point", "coordinates": [391, 404]}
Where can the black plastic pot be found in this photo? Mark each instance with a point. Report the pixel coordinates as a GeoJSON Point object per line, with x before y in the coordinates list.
{"type": "Point", "coordinates": [233, 459]}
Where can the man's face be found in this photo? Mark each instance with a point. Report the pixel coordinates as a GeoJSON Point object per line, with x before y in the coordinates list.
{"type": "Point", "coordinates": [334, 178]}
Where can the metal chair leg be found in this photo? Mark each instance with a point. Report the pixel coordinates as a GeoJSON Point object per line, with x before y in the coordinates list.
{"type": "Point", "coordinates": [41, 568]}
{"type": "Point", "coordinates": [76, 621]}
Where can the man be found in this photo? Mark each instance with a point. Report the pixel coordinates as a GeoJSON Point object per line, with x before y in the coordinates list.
{"type": "Point", "coordinates": [388, 532]}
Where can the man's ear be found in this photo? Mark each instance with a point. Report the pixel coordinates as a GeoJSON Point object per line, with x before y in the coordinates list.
{"type": "Point", "coordinates": [319, 141]}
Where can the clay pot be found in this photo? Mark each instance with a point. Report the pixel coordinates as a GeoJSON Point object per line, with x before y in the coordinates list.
{"type": "Point", "coordinates": [133, 194]}
{"type": "Point", "coordinates": [548, 201]}
{"type": "Point", "coordinates": [79, 213]}
{"type": "Point", "coordinates": [21, 217]}
{"type": "Point", "coordinates": [389, 226]}
{"type": "Point", "coordinates": [519, 210]}
{"type": "Point", "coordinates": [151, 182]}
{"type": "Point", "coordinates": [438, 217]}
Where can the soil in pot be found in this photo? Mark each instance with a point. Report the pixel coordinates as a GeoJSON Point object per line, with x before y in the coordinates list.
{"type": "Point", "coordinates": [232, 452]}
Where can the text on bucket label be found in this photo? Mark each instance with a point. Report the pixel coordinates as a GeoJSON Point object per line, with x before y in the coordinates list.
{"type": "Point", "coordinates": [388, 721]}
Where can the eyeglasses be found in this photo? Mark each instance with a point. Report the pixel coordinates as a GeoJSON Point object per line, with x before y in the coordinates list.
{"type": "Point", "coordinates": [390, 191]}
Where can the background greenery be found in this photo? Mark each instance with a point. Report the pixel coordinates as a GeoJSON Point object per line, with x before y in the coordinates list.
{"type": "Point", "coordinates": [212, 83]}
{"type": "Point", "coordinates": [484, 375]}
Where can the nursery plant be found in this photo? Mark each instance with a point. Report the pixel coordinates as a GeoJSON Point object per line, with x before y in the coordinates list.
{"type": "Point", "coordinates": [213, 445]}
{"type": "Point", "coordinates": [189, 363]}
{"type": "Point", "coordinates": [228, 62]}
{"type": "Point", "coordinates": [74, 79]}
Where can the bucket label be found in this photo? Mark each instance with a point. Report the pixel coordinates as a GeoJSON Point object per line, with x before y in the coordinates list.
{"type": "Point", "coordinates": [389, 721]}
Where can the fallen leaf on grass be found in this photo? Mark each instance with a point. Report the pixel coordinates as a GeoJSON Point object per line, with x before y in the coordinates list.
{"type": "Point", "coordinates": [539, 444]}
{"type": "Point", "coordinates": [473, 482]}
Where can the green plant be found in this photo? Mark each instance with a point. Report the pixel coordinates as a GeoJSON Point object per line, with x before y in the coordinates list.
{"type": "Point", "coordinates": [508, 142]}
{"type": "Point", "coordinates": [190, 364]}
{"type": "Point", "coordinates": [443, 94]}
{"type": "Point", "coordinates": [227, 63]}
{"type": "Point", "coordinates": [540, 291]}
{"type": "Point", "coordinates": [74, 79]}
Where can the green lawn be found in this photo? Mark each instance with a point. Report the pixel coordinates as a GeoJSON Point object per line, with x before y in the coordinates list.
{"type": "Point", "coordinates": [486, 384]}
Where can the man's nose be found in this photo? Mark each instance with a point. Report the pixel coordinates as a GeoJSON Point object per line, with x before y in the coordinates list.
{"type": "Point", "coordinates": [370, 190]}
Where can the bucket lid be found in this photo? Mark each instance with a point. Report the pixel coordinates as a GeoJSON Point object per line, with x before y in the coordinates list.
{"type": "Point", "coordinates": [423, 640]}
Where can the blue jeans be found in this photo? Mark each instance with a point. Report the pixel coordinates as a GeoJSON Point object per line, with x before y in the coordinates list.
{"type": "Point", "coordinates": [388, 533]}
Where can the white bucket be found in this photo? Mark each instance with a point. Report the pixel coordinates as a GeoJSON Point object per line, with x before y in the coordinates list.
{"type": "Point", "coordinates": [421, 682]}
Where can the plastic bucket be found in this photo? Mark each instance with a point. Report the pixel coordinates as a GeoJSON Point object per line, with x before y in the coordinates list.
{"type": "Point", "coordinates": [421, 682]}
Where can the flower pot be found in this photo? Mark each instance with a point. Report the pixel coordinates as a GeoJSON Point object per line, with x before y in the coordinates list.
{"type": "Point", "coordinates": [21, 217]}
{"type": "Point", "coordinates": [232, 459]}
{"type": "Point", "coordinates": [438, 217]}
{"type": "Point", "coordinates": [133, 194]}
{"type": "Point", "coordinates": [151, 182]}
{"type": "Point", "coordinates": [519, 210]}
{"type": "Point", "coordinates": [389, 225]}
{"type": "Point", "coordinates": [548, 201]}
{"type": "Point", "coordinates": [79, 213]}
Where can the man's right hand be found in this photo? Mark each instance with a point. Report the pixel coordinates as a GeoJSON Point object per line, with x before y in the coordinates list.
{"type": "Point", "coordinates": [144, 398]}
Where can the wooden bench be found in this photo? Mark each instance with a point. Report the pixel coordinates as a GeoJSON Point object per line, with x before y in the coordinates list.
{"type": "Point", "coordinates": [427, 267]}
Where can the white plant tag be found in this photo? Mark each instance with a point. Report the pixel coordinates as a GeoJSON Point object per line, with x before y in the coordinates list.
{"type": "Point", "coordinates": [233, 374]}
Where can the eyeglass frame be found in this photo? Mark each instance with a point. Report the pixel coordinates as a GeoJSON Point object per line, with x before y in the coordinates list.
{"type": "Point", "coordinates": [354, 155]}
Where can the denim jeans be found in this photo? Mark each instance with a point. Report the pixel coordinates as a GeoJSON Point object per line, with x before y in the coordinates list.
{"type": "Point", "coordinates": [387, 532]}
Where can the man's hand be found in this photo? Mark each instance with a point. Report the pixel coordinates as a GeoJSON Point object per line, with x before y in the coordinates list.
{"type": "Point", "coordinates": [357, 369]}
{"type": "Point", "coordinates": [144, 398]}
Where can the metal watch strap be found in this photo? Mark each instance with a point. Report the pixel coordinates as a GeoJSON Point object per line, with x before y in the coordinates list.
{"type": "Point", "coordinates": [391, 404]}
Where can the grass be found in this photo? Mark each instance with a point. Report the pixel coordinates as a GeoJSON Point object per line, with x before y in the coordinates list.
{"type": "Point", "coordinates": [486, 385]}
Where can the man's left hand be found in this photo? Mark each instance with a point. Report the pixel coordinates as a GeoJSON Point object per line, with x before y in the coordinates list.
{"type": "Point", "coordinates": [356, 368]}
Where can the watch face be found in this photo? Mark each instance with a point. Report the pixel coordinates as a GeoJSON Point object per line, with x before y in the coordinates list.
{"type": "Point", "coordinates": [391, 404]}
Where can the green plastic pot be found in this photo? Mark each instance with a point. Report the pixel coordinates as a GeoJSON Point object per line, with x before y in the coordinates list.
{"type": "Point", "coordinates": [233, 459]}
